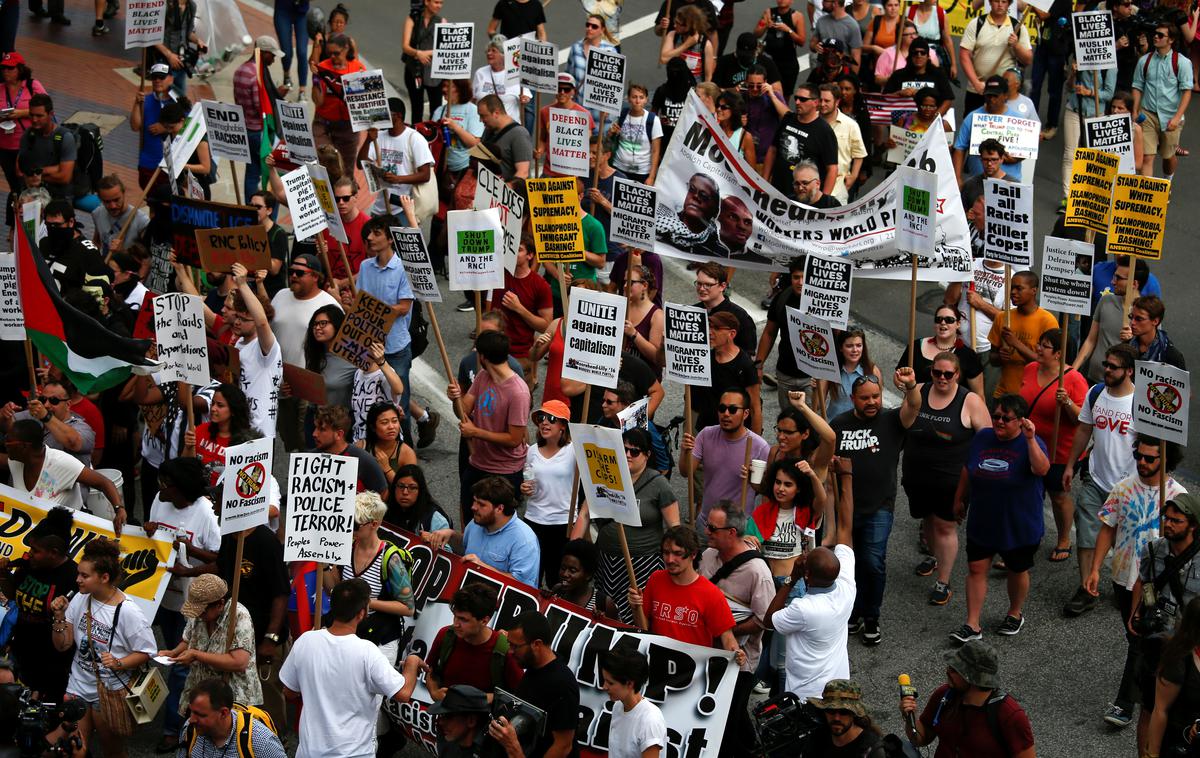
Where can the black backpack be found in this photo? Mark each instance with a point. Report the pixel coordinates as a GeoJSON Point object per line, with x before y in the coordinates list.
{"type": "Point", "coordinates": [89, 155]}
{"type": "Point", "coordinates": [418, 329]}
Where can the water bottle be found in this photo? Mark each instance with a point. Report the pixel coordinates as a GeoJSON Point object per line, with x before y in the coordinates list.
{"type": "Point", "coordinates": [529, 478]}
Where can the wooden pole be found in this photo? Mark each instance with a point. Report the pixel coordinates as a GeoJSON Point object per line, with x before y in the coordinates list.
{"type": "Point", "coordinates": [141, 90]}
{"type": "Point", "coordinates": [746, 463]}
{"type": "Point", "coordinates": [562, 290]}
{"type": "Point", "coordinates": [441, 344]}
{"type": "Point", "coordinates": [1128, 300]}
{"type": "Point", "coordinates": [638, 612]}
{"type": "Point", "coordinates": [1062, 370]}
{"type": "Point", "coordinates": [233, 595]}
{"type": "Point", "coordinates": [1007, 295]}
{"type": "Point", "coordinates": [237, 186]}
{"type": "Point", "coordinates": [323, 251]}
{"type": "Point", "coordinates": [687, 454]}
{"type": "Point", "coordinates": [587, 400]}
{"type": "Point", "coordinates": [318, 595]}
{"type": "Point", "coordinates": [1162, 479]}
{"type": "Point", "coordinates": [478, 311]}
{"type": "Point", "coordinates": [33, 383]}
{"type": "Point", "coordinates": [596, 176]}
{"type": "Point", "coordinates": [346, 263]}
{"type": "Point", "coordinates": [129, 221]}
{"type": "Point", "coordinates": [971, 315]}
{"type": "Point", "coordinates": [912, 311]}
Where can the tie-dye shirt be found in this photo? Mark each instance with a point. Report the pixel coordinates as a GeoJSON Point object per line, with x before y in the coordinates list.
{"type": "Point", "coordinates": [1132, 508]}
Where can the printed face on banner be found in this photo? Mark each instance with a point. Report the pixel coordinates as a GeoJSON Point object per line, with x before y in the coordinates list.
{"type": "Point", "coordinates": [539, 66]}
{"type": "Point", "coordinates": [1089, 197]}
{"type": "Point", "coordinates": [1138, 222]}
{"type": "Point", "coordinates": [632, 220]}
{"type": "Point", "coordinates": [813, 346]}
{"type": "Point", "coordinates": [604, 473]}
{"type": "Point", "coordinates": [179, 330]}
{"type": "Point", "coordinates": [554, 211]}
{"type": "Point", "coordinates": [1066, 276]}
{"type": "Point", "coordinates": [686, 345]}
{"type": "Point", "coordinates": [12, 322]}
{"type": "Point", "coordinates": [569, 135]}
{"type": "Point", "coordinates": [452, 50]}
{"type": "Point", "coordinates": [492, 192]}
{"type": "Point", "coordinates": [320, 513]}
{"type": "Point", "coordinates": [604, 81]}
{"type": "Point", "coordinates": [226, 125]}
{"type": "Point", "coordinates": [296, 125]}
{"type": "Point", "coordinates": [1008, 226]}
{"type": "Point", "coordinates": [1112, 134]}
{"type": "Point", "coordinates": [594, 334]}
{"type": "Point", "coordinates": [1162, 401]}
{"type": "Point", "coordinates": [826, 293]}
{"type": "Point", "coordinates": [475, 250]}
{"type": "Point", "coordinates": [410, 246]}
{"type": "Point", "coordinates": [247, 485]}
{"type": "Point", "coordinates": [308, 218]}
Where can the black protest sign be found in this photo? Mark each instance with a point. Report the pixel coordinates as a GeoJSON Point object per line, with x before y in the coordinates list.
{"type": "Point", "coordinates": [188, 215]}
{"type": "Point", "coordinates": [604, 81]}
{"type": "Point", "coordinates": [1095, 41]}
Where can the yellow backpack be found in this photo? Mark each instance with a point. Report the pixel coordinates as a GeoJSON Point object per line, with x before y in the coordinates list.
{"type": "Point", "coordinates": [246, 715]}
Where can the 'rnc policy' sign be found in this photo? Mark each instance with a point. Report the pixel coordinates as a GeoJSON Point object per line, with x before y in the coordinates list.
{"type": "Point", "coordinates": [188, 215]}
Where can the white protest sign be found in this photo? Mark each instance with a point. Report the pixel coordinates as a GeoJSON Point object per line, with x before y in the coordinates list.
{"type": "Point", "coordinates": [145, 22]}
{"type": "Point", "coordinates": [296, 127]}
{"type": "Point", "coordinates": [226, 126]}
{"type": "Point", "coordinates": [604, 474]}
{"type": "Point", "coordinates": [812, 345]}
{"type": "Point", "coordinates": [1112, 134]}
{"type": "Point", "coordinates": [320, 512]}
{"type": "Point", "coordinates": [12, 322]}
{"type": "Point", "coordinates": [246, 489]}
{"type": "Point", "coordinates": [604, 81]}
{"type": "Point", "coordinates": [1020, 136]}
{"type": "Point", "coordinates": [1161, 401]}
{"type": "Point", "coordinates": [905, 139]}
{"type": "Point", "coordinates": [539, 66]}
{"type": "Point", "coordinates": [373, 185]}
{"type": "Point", "coordinates": [1008, 224]}
{"type": "Point", "coordinates": [1095, 40]}
{"type": "Point", "coordinates": [366, 99]}
{"type": "Point", "coordinates": [179, 330]}
{"type": "Point", "coordinates": [594, 333]}
{"type": "Point", "coordinates": [826, 292]}
{"type": "Point", "coordinates": [475, 249]}
{"type": "Point", "coordinates": [1066, 276]}
{"type": "Point", "coordinates": [512, 63]}
{"type": "Point", "coordinates": [569, 133]}
{"type": "Point", "coordinates": [410, 246]}
{"type": "Point", "coordinates": [452, 50]}
{"type": "Point", "coordinates": [686, 345]}
{"type": "Point", "coordinates": [307, 217]}
{"type": "Point", "coordinates": [916, 211]}
{"type": "Point", "coordinates": [632, 221]}
{"type": "Point", "coordinates": [492, 192]}
{"type": "Point", "coordinates": [182, 145]}
{"type": "Point", "coordinates": [323, 191]}
{"type": "Point", "coordinates": [636, 415]}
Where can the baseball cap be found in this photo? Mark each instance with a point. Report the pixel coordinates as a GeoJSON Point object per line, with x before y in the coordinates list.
{"type": "Point", "coordinates": [1187, 504]}
{"type": "Point", "coordinates": [12, 60]}
{"type": "Point", "coordinates": [268, 44]}
{"type": "Point", "coordinates": [995, 85]}
{"type": "Point", "coordinates": [834, 44]}
{"type": "Point", "coordinates": [747, 42]}
{"type": "Point", "coordinates": [159, 69]}
{"type": "Point", "coordinates": [309, 260]}
{"type": "Point", "coordinates": [204, 590]}
{"type": "Point", "coordinates": [567, 79]}
{"type": "Point", "coordinates": [461, 698]}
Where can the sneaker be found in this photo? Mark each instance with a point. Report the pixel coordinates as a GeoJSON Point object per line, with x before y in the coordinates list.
{"type": "Point", "coordinates": [1080, 603]}
{"type": "Point", "coordinates": [100, 29]}
{"type": "Point", "coordinates": [927, 566]}
{"type": "Point", "coordinates": [940, 594]}
{"type": "Point", "coordinates": [854, 626]}
{"type": "Point", "coordinates": [871, 635]}
{"type": "Point", "coordinates": [965, 634]}
{"type": "Point", "coordinates": [769, 380]}
{"type": "Point", "coordinates": [762, 688]}
{"type": "Point", "coordinates": [466, 306]}
{"type": "Point", "coordinates": [39, 13]}
{"type": "Point", "coordinates": [765, 303]}
{"type": "Point", "coordinates": [1118, 716]}
{"type": "Point", "coordinates": [111, 8]}
{"type": "Point", "coordinates": [427, 431]}
{"type": "Point", "coordinates": [287, 79]}
{"type": "Point", "coordinates": [1011, 626]}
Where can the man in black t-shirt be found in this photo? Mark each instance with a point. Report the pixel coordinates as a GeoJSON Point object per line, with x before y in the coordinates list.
{"type": "Point", "coordinates": [788, 376]}
{"type": "Point", "coordinates": [512, 18]}
{"type": "Point", "coordinates": [803, 134]}
{"type": "Point", "coordinates": [731, 367]}
{"type": "Point", "coordinates": [633, 370]}
{"type": "Point", "coordinates": [548, 684]}
{"type": "Point", "coordinates": [733, 68]}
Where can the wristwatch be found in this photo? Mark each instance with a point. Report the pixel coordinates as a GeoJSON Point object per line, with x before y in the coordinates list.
{"type": "Point", "coordinates": [787, 581]}
{"type": "Point", "coordinates": [272, 636]}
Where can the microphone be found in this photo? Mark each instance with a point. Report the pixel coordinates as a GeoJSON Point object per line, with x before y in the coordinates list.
{"type": "Point", "coordinates": [908, 690]}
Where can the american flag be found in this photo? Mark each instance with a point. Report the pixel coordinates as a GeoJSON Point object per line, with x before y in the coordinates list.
{"type": "Point", "coordinates": [884, 108]}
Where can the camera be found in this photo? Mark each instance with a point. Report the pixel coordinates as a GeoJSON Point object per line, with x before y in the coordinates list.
{"type": "Point", "coordinates": [30, 721]}
{"type": "Point", "coordinates": [529, 721]}
{"type": "Point", "coordinates": [785, 725]}
{"type": "Point", "coordinates": [1151, 621]}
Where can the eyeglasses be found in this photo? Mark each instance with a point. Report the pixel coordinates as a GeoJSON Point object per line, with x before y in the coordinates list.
{"type": "Point", "coordinates": [945, 319]}
{"type": "Point", "coordinates": [915, 53]}
{"type": "Point", "coordinates": [786, 431]}
{"type": "Point", "coordinates": [1113, 366]}
{"type": "Point", "coordinates": [637, 281]}
{"type": "Point", "coordinates": [1002, 419]}
{"type": "Point", "coordinates": [860, 381]}
{"type": "Point", "coordinates": [606, 401]}
{"type": "Point", "coordinates": [52, 401]}
{"type": "Point", "coordinates": [803, 182]}
{"type": "Point", "coordinates": [722, 408]}
{"type": "Point", "coordinates": [408, 488]}
{"type": "Point", "coordinates": [322, 323]}
{"type": "Point", "coordinates": [1138, 319]}
{"type": "Point", "coordinates": [1143, 457]}
{"type": "Point", "coordinates": [633, 452]}
{"type": "Point", "coordinates": [723, 107]}
{"type": "Point", "coordinates": [258, 206]}
{"type": "Point", "coordinates": [939, 374]}
{"type": "Point", "coordinates": [704, 285]}
{"type": "Point", "coordinates": [343, 198]}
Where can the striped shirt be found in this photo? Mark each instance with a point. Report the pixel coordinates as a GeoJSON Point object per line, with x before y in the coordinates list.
{"type": "Point", "coordinates": [245, 94]}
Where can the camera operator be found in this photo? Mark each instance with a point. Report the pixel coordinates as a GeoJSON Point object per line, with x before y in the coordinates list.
{"type": "Point", "coordinates": [463, 722]}
{"type": "Point", "coordinates": [850, 730]}
{"type": "Point", "coordinates": [1125, 28]}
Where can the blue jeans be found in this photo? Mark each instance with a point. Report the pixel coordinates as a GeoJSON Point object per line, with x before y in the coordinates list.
{"type": "Point", "coordinates": [253, 179]}
{"type": "Point", "coordinates": [401, 363]}
{"type": "Point", "coordinates": [870, 561]}
{"type": "Point", "coordinates": [1050, 65]}
{"type": "Point", "coordinates": [289, 21]}
{"type": "Point", "coordinates": [171, 623]}
{"type": "Point", "coordinates": [179, 79]}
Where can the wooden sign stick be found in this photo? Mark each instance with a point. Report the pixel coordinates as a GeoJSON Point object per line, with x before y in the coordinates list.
{"type": "Point", "coordinates": [587, 400]}
{"type": "Point", "coordinates": [638, 612]}
{"type": "Point", "coordinates": [231, 618]}
{"type": "Point", "coordinates": [912, 311]}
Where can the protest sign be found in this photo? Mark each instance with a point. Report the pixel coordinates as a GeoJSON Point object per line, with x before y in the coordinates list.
{"type": "Point", "coordinates": [323, 189]}
{"type": "Point", "coordinates": [304, 384]}
{"type": "Point", "coordinates": [568, 137]}
{"type": "Point", "coordinates": [916, 212]}
{"type": "Point", "coordinates": [320, 514]}
{"type": "Point", "coordinates": [594, 333]}
{"type": "Point", "coordinates": [1095, 40]}
{"type": "Point", "coordinates": [12, 323]}
{"type": "Point", "coordinates": [863, 231]}
{"type": "Point", "coordinates": [145, 22]}
{"type": "Point", "coordinates": [906, 141]}
{"type": "Point", "coordinates": [1066, 276]}
{"type": "Point", "coordinates": [512, 63]}
{"type": "Point", "coordinates": [555, 212]}
{"type": "Point", "coordinates": [221, 248]}
{"type": "Point", "coordinates": [226, 125]}
{"type": "Point", "coordinates": [686, 345]}
{"type": "Point", "coordinates": [452, 50]}
{"type": "Point", "coordinates": [632, 221]}
{"type": "Point", "coordinates": [1020, 136]}
{"type": "Point", "coordinates": [826, 292]}
{"type": "Point", "coordinates": [492, 192]}
{"type": "Point", "coordinates": [1138, 221]}
{"type": "Point", "coordinates": [539, 66]}
{"type": "Point", "coordinates": [475, 249]}
{"type": "Point", "coordinates": [296, 126]}
{"type": "Point", "coordinates": [144, 559]}
{"type": "Point", "coordinates": [603, 86]}
{"type": "Point", "coordinates": [159, 277]}
{"type": "Point", "coordinates": [1161, 401]}
{"type": "Point", "coordinates": [636, 415]}
{"type": "Point", "coordinates": [179, 331]}
{"type": "Point", "coordinates": [246, 490]}
{"type": "Point", "coordinates": [1112, 134]}
{"type": "Point", "coordinates": [182, 145]}
{"type": "Point", "coordinates": [1089, 197]}
{"type": "Point", "coordinates": [367, 321]}
{"type": "Point", "coordinates": [187, 216]}
{"type": "Point", "coordinates": [414, 256]}
{"type": "Point", "coordinates": [366, 99]}
{"type": "Point", "coordinates": [604, 474]}
{"type": "Point", "coordinates": [812, 344]}
{"type": "Point", "coordinates": [1008, 223]}
{"type": "Point", "coordinates": [308, 217]}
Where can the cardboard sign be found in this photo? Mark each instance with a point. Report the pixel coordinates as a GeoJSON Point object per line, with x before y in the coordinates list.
{"type": "Point", "coordinates": [539, 66]}
{"type": "Point", "coordinates": [12, 322]}
{"type": "Point", "coordinates": [320, 513]}
{"type": "Point", "coordinates": [492, 192]}
{"type": "Point", "coordinates": [555, 213]}
{"type": "Point", "coordinates": [1095, 40]}
{"type": "Point", "coordinates": [368, 321]}
{"type": "Point", "coordinates": [632, 221]}
{"type": "Point", "coordinates": [594, 333]}
{"type": "Point", "coordinates": [569, 135]}
{"type": "Point", "coordinates": [452, 50]}
{"type": "Point", "coordinates": [604, 81]}
{"type": "Point", "coordinates": [179, 148]}
{"type": "Point", "coordinates": [366, 100]}
{"type": "Point", "coordinates": [410, 246]}
{"type": "Point", "coordinates": [604, 473]}
{"type": "Point", "coordinates": [221, 248]}
{"type": "Point", "coordinates": [1089, 197]}
{"type": "Point", "coordinates": [308, 218]}
{"type": "Point", "coordinates": [226, 124]}
{"type": "Point", "coordinates": [1162, 399]}
{"type": "Point", "coordinates": [145, 22]}
{"type": "Point", "coordinates": [905, 139]}
{"type": "Point", "coordinates": [1020, 136]}
{"type": "Point", "coordinates": [1066, 276]}
{"type": "Point", "coordinates": [1112, 134]}
{"type": "Point", "coordinates": [246, 491]}
{"type": "Point", "coordinates": [1139, 216]}
{"type": "Point", "coordinates": [1008, 225]}
{"type": "Point", "coordinates": [475, 250]}
{"type": "Point", "coordinates": [189, 216]}
{"type": "Point", "coordinates": [179, 330]}
{"type": "Point", "coordinates": [813, 346]}
{"type": "Point", "coordinates": [296, 126]}
{"type": "Point", "coordinates": [688, 354]}
{"type": "Point", "coordinates": [304, 384]}
{"type": "Point", "coordinates": [916, 211]}
{"type": "Point", "coordinates": [323, 189]}
{"type": "Point", "coordinates": [826, 293]}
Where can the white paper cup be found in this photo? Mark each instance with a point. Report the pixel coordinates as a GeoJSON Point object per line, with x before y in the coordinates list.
{"type": "Point", "coordinates": [757, 468]}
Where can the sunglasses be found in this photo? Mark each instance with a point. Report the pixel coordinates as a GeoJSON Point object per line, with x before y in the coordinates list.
{"type": "Point", "coordinates": [51, 401]}
{"type": "Point", "coordinates": [945, 319]}
{"type": "Point", "coordinates": [343, 198]}
{"type": "Point", "coordinates": [1113, 366]}
{"type": "Point", "coordinates": [938, 374]}
{"type": "Point", "coordinates": [566, 89]}
{"type": "Point", "coordinates": [860, 381]}
{"type": "Point", "coordinates": [800, 99]}
{"type": "Point", "coordinates": [633, 452]}
{"type": "Point", "coordinates": [592, 26]}
{"type": "Point", "coordinates": [722, 408]}
{"type": "Point", "coordinates": [298, 271]}
{"type": "Point", "coordinates": [546, 417]}
{"type": "Point", "coordinates": [710, 528]}
{"type": "Point", "coordinates": [723, 108]}
{"type": "Point", "coordinates": [1143, 457]}
{"type": "Point", "coordinates": [1001, 418]}
{"type": "Point", "coordinates": [1161, 35]}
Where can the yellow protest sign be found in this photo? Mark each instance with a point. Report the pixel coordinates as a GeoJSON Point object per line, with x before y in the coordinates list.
{"type": "Point", "coordinates": [555, 213]}
{"type": "Point", "coordinates": [603, 466]}
{"type": "Point", "coordinates": [1139, 216]}
{"type": "Point", "coordinates": [1089, 196]}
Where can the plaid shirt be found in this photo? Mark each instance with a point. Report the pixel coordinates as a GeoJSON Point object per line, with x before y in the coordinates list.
{"type": "Point", "coordinates": [245, 94]}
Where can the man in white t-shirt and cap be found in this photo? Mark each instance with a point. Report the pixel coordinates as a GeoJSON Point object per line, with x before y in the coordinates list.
{"type": "Point", "coordinates": [406, 160]}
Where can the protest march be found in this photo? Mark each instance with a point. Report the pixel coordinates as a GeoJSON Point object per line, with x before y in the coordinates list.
{"type": "Point", "coordinates": [553, 380]}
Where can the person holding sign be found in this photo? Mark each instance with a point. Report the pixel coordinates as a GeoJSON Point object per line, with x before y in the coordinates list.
{"type": "Point", "coordinates": [1162, 91]}
{"type": "Point", "coordinates": [402, 153]}
{"type": "Point", "coordinates": [991, 45]}
{"type": "Point", "coordinates": [527, 304]}
{"type": "Point", "coordinates": [1015, 332]}
{"type": "Point", "coordinates": [720, 450]}
{"type": "Point", "coordinates": [1082, 105]}
{"type": "Point", "coordinates": [492, 79]}
{"type": "Point", "coordinates": [995, 103]}
{"type": "Point", "coordinates": [331, 125]}
{"type": "Point", "coordinates": [1109, 316]}
{"type": "Point", "coordinates": [382, 566]}
{"type": "Point", "coordinates": [945, 339]}
{"type": "Point", "coordinates": [565, 99]}
{"type": "Point", "coordinates": [173, 118]}
{"type": "Point", "coordinates": [417, 46]}
{"type": "Point", "coordinates": [259, 354]}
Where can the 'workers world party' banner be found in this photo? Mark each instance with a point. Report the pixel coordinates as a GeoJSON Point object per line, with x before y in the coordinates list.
{"type": "Point", "coordinates": [705, 191]}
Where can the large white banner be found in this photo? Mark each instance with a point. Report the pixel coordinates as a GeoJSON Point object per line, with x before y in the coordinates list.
{"type": "Point", "coordinates": [703, 182]}
{"type": "Point", "coordinates": [594, 333]}
{"type": "Point", "coordinates": [604, 473]}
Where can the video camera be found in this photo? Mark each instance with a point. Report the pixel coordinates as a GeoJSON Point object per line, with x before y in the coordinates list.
{"type": "Point", "coordinates": [529, 721]}
{"type": "Point", "coordinates": [784, 726]}
{"type": "Point", "coordinates": [28, 721]}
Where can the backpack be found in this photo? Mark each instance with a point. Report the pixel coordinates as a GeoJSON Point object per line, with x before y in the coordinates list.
{"type": "Point", "coordinates": [418, 329]}
{"type": "Point", "coordinates": [1174, 63]}
{"type": "Point", "coordinates": [496, 661]}
{"type": "Point", "coordinates": [650, 116]}
{"type": "Point", "coordinates": [991, 711]}
{"type": "Point", "coordinates": [248, 716]}
{"type": "Point", "coordinates": [89, 154]}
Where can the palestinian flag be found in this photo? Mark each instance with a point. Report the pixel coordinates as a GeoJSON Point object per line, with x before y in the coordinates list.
{"type": "Point", "coordinates": [91, 356]}
{"type": "Point", "coordinates": [270, 130]}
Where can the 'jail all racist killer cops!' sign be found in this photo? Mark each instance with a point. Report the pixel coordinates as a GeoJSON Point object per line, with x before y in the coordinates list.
{"type": "Point", "coordinates": [320, 513]}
